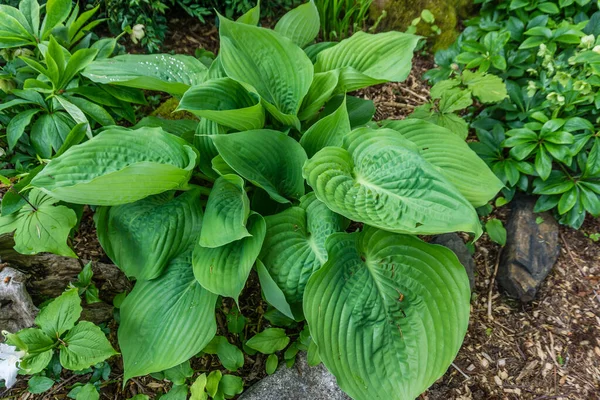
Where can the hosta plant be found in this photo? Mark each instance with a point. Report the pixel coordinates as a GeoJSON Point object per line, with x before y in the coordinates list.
{"type": "Point", "coordinates": [286, 175]}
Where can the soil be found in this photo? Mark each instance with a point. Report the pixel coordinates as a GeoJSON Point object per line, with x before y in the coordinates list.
{"type": "Point", "coordinates": [548, 349]}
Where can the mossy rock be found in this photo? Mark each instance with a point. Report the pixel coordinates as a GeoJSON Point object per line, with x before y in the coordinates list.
{"type": "Point", "coordinates": [447, 13]}
{"type": "Point", "coordinates": [167, 111]}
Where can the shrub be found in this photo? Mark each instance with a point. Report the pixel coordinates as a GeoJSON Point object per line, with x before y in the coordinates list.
{"type": "Point", "coordinates": [542, 138]}
{"type": "Point", "coordinates": [324, 204]}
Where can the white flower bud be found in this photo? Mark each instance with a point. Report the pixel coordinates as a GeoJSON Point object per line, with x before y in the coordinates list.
{"type": "Point", "coordinates": [137, 33]}
{"type": "Point", "coordinates": [9, 358]}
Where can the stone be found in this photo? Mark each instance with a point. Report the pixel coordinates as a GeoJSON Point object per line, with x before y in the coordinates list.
{"type": "Point", "coordinates": [17, 310]}
{"type": "Point", "coordinates": [301, 382]}
{"type": "Point", "coordinates": [457, 245]}
{"type": "Point", "coordinates": [400, 14]}
{"type": "Point", "coordinates": [530, 252]}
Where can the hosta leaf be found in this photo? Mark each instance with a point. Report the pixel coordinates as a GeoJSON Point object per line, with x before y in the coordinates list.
{"type": "Point", "coordinates": [224, 270]}
{"type": "Point", "coordinates": [360, 111]}
{"type": "Point", "coordinates": [119, 166]}
{"type": "Point", "coordinates": [166, 321]}
{"type": "Point", "coordinates": [380, 179]}
{"type": "Point", "coordinates": [226, 102]}
{"type": "Point", "coordinates": [366, 59]}
{"type": "Point", "coordinates": [269, 159]}
{"type": "Point", "coordinates": [273, 294]}
{"type": "Point", "coordinates": [143, 237]}
{"type": "Point", "coordinates": [452, 157]}
{"type": "Point", "coordinates": [379, 306]}
{"type": "Point", "coordinates": [226, 214]}
{"type": "Point", "coordinates": [203, 142]}
{"type": "Point", "coordinates": [173, 74]}
{"type": "Point", "coordinates": [294, 246]}
{"type": "Point", "coordinates": [85, 345]}
{"type": "Point", "coordinates": [279, 70]}
{"type": "Point", "coordinates": [301, 25]}
{"type": "Point", "coordinates": [41, 228]}
{"type": "Point", "coordinates": [328, 131]}
{"type": "Point", "coordinates": [320, 91]}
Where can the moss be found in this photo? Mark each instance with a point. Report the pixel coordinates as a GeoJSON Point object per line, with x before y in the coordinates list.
{"type": "Point", "coordinates": [167, 111]}
{"type": "Point", "coordinates": [400, 14]}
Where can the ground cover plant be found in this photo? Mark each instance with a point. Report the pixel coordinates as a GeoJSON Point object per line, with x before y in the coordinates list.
{"type": "Point", "coordinates": [287, 174]}
{"type": "Point", "coordinates": [542, 138]}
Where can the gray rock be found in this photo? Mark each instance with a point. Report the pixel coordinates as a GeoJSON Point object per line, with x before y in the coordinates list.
{"type": "Point", "coordinates": [530, 252]}
{"type": "Point", "coordinates": [457, 245]}
{"type": "Point", "coordinates": [16, 308]}
{"type": "Point", "coordinates": [301, 382]}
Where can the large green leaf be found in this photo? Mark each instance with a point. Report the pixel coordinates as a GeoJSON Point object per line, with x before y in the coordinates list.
{"type": "Point", "coordinates": [224, 270]}
{"type": "Point", "coordinates": [269, 159]}
{"type": "Point", "coordinates": [40, 226]}
{"type": "Point", "coordinates": [226, 214]}
{"type": "Point", "coordinates": [328, 131]}
{"type": "Point", "coordinates": [83, 346]}
{"type": "Point", "coordinates": [119, 166]}
{"type": "Point", "coordinates": [166, 321]}
{"type": "Point", "coordinates": [321, 89]}
{"type": "Point", "coordinates": [294, 246]}
{"type": "Point", "coordinates": [301, 25]}
{"type": "Point", "coordinates": [388, 313]}
{"type": "Point", "coordinates": [452, 157]}
{"type": "Point", "coordinates": [143, 237]}
{"type": "Point", "coordinates": [173, 74]}
{"type": "Point", "coordinates": [56, 12]}
{"type": "Point", "coordinates": [226, 102]}
{"type": "Point", "coordinates": [279, 70]}
{"type": "Point", "coordinates": [60, 315]}
{"type": "Point", "coordinates": [15, 29]}
{"type": "Point", "coordinates": [366, 59]}
{"type": "Point", "coordinates": [379, 178]}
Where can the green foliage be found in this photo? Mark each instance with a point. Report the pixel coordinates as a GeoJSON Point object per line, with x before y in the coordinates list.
{"type": "Point", "coordinates": [287, 163]}
{"type": "Point", "coordinates": [496, 231]}
{"type": "Point", "coordinates": [80, 345]}
{"type": "Point", "coordinates": [542, 137]}
{"type": "Point", "coordinates": [340, 18]}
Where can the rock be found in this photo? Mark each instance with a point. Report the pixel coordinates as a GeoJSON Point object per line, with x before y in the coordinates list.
{"type": "Point", "coordinates": [530, 252]}
{"type": "Point", "coordinates": [400, 14]}
{"type": "Point", "coordinates": [16, 308]}
{"type": "Point", "coordinates": [457, 245]}
{"type": "Point", "coordinates": [301, 382]}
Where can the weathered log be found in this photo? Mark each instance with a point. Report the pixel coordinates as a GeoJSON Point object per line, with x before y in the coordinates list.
{"type": "Point", "coordinates": [16, 308]}
{"type": "Point", "coordinates": [46, 277]}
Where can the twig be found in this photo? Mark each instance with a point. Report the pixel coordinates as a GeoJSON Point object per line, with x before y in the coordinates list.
{"type": "Point", "coordinates": [417, 95]}
{"type": "Point", "coordinates": [491, 289]}
{"type": "Point", "coordinates": [562, 238]}
{"type": "Point", "coordinates": [59, 386]}
{"type": "Point", "coordinates": [461, 372]}
{"type": "Point", "coordinates": [396, 104]}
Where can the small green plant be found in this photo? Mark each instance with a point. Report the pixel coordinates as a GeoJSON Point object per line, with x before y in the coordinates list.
{"type": "Point", "coordinates": [426, 17]}
{"type": "Point", "coordinates": [340, 18]}
{"type": "Point", "coordinates": [282, 162]}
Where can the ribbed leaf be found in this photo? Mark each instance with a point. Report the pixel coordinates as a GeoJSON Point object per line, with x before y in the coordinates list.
{"type": "Point", "coordinates": [226, 214]}
{"type": "Point", "coordinates": [388, 313]}
{"type": "Point", "coordinates": [294, 246]}
{"type": "Point", "coordinates": [173, 74]}
{"type": "Point", "coordinates": [224, 270]}
{"type": "Point", "coordinates": [226, 102]}
{"type": "Point", "coordinates": [452, 157]}
{"type": "Point", "coordinates": [320, 91]}
{"type": "Point", "coordinates": [380, 179]}
{"type": "Point", "coordinates": [119, 166]}
{"type": "Point", "coordinates": [203, 142]}
{"type": "Point", "coordinates": [273, 294]}
{"type": "Point", "coordinates": [301, 25]}
{"type": "Point", "coordinates": [269, 159]}
{"type": "Point", "coordinates": [366, 59]}
{"type": "Point", "coordinates": [279, 70]}
{"type": "Point", "coordinates": [328, 131]}
{"type": "Point", "coordinates": [165, 321]}
{"type": "Point", "coordinates": [142, 238]}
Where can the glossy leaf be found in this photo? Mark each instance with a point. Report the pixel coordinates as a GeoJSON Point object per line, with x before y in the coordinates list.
{"type": "Point", "coordinates": [301, 25]}
{"type": "Point", "coordinates": [329, 131]}
{"type": "Point", "coordinates": [85, 345]}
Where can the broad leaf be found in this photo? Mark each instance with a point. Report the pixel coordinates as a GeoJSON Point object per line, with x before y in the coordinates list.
{"type": "Point", "coordinates": [166, 321]}
{"type": "Point", "coordinates": [487, 88]}
{"type": "Point", "coordinates": [173, 74]}
{"type": "Point", "coordinates": [452, 157]}
{"type": "Point", "coordinates": [143, 237]}
{"type": "Point", "coordinates": [269, 159]}
{"type": "Point", "coordinates": [85, 345]}
{"type": "Point", "coordinates": [60, 314]}
{"type": "Point", "coordinates": [294, 246]}
{"type": "Point", "coordinates": [225, 102]}
{"type": "Point", "coordinates": [269, 341]}
{"type": "Point", "coordinates": [321, 89]}
{"type": "Point", "coordinates": [279, 70]}
{"type": "Point", "coordinates": [380, 179]}
{"type": "Point", "coordinates": [224, 270]}
{"type": "Point", "coordinates": [133, 163]}
{"type": "Point", "coordinates": [328, 131]}
{"type": "Point", "coordinates": [301, 25]}
{"type": "Point", "coordinates": [366, 59]}
{"type": "Point", "coordinates": [226, 214]}
{"type": "Point", "coordinates": [40, 226]}
{"type": "Point", "coordinates": [379, 306]}
{"type": "Point", "coordinates": [56, 12]}
{"type": "Point", "coordinates": [273, 294]}
{"type": "Point", "coordinates": [230, 356]}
